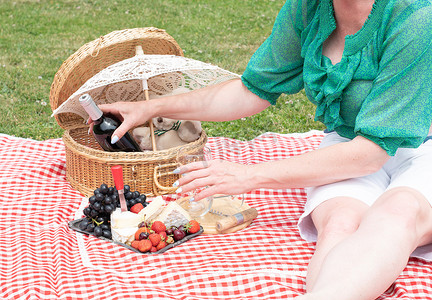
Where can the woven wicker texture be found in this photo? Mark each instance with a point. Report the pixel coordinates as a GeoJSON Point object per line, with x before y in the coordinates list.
{"type": "Point", "coordinates": [95, 56]}
{"type": "Point", "coordinates": [88, 166]}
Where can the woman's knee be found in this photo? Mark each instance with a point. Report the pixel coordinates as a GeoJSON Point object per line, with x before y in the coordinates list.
{"type": "Point", "coordinates": [402, 205]}
{"type": "Point", "coordinates": [338, 218]}
{"type": "Point", "coordinates": [406, 210]}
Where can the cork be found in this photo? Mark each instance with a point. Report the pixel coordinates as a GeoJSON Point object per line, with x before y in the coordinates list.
{"type": "Point", "coordinates": [236, 219]}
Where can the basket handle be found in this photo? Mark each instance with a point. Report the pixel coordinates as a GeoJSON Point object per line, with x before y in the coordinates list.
{"type": "Point", "coordinates": [156, 175]}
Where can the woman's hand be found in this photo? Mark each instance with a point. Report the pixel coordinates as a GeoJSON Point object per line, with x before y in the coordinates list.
{"type": "Point", "coordinates": [131, 114]}
{"type": "Point", "coordinates": [217, 176]}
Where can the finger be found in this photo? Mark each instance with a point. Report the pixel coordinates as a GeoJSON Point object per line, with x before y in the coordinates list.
{"type": "Point", "coordinates": [192, 172]}
{"type": "Point", "coordinates": [193, 177]}
{"type": "Point", "coordinates": [194, 166]}
{"type": "Point", "coordinates": [195, 184]}
{"type": "Point", "coordinates": [120, 132]}
{"type": "Point", "coordinates": [90, 130]}
{"type": "Point", "coordinates": [208, 192]}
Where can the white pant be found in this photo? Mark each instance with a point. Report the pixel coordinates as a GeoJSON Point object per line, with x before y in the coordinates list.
{"type": "Point", "coordinates": [409, 168]}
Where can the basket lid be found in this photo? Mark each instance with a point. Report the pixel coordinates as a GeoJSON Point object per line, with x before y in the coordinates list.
{"type": "Point", "coordinates": [100, 53]}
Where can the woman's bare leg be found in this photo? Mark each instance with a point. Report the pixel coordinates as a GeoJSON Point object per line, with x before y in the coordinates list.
{"type": "Point", "coordinates": [366, 263]}
{"type": "Point", "coordinates": [335, 219]}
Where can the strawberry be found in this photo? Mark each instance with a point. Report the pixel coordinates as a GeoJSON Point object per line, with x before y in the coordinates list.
{"type": "Point", "coordinates": [193, 226]}
{"type": "Point", "coordinates": [163, 235]}
{"type": "Point", "coordinates": [136, 208]}
{"type": "Point", "coordinates": [162, 244]}
{"type": "Point", "coordinates": [140, 230]}
{"type": "Point", "coordinates": [144, 245]}
{"type": "Point", "coordinates": [158, 227]}
{"type": "Point", "coordinates": [135, 244]}
{"type": "Point", "coordinates": [153, 249]}
{"type": "Point", "coordinates": [155, 238]}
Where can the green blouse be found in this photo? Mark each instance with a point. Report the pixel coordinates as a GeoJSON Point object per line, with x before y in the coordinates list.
{"type": "Point", "coordinates": [382, 87]}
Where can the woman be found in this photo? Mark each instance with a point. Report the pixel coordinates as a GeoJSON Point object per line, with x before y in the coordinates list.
{"type": "Point", "coordinates": [367, 66]}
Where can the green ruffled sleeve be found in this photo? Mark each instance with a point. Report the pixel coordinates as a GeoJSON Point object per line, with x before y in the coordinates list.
{"type": "Point", "coordinates": [276, 67]}
{"type": "Point", "coordinates": [398, 110]}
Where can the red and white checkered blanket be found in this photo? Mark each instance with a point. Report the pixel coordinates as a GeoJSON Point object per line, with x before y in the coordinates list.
{"type": "Point", "coordinates": [41, 258]}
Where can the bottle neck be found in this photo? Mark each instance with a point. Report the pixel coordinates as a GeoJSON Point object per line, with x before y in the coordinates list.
{"type": "Point", "coordinates": [90, 107]}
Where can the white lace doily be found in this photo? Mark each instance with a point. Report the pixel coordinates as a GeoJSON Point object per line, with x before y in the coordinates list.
{"type": "Point", "coordinates": [165, 75]}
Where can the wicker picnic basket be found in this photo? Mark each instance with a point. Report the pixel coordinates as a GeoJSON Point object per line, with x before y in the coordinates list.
{"type": "Point", "coordinates": [87, 165]}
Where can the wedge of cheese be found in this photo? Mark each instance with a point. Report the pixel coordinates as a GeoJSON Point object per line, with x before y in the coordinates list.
{"type": "Point", "coordinates": [124, 235]}
{"type": "Point", "coordinates": [153, 209]}
{"type": "Point", "coordinates": [174, 215]}
{"type": "Point", "coordinates": [124, 225]}
{"type": "Point", "coordinates": [125, 219]}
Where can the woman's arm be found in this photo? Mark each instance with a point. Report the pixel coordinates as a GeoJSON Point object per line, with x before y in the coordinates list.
{"type": "Point", "coordinates": [355, 158]}
{"type": "Point", "coordinates": [229, 100]}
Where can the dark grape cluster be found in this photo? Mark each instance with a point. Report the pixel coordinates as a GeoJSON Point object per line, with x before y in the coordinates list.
{"type": "Point", "coordinates": [101, 204]}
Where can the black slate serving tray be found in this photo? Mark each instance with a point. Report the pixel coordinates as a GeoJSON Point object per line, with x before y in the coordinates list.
{"type": "Point", "coordinates": [74, 225]}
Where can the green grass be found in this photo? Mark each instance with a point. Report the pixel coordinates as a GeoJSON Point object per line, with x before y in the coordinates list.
{"type": "Point", "coordinates": [36, 36]}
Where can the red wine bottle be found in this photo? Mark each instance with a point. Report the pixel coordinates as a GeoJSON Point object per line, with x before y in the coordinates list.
{"type": "Point", "coordinates": [104, 126]}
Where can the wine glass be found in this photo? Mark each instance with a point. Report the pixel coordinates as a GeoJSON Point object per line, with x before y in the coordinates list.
{"type": "Point", "coordinates": [227, 205]}
{"type": "Point", "coordinates": [236, 201]}
{"type": "Point", "coordinates": [194, 208]}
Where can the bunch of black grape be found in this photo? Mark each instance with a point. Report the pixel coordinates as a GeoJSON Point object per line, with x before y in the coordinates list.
{"type": "Point", "coordinates": [104, 201]}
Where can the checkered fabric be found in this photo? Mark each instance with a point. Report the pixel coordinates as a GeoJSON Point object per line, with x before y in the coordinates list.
{"type": "Point", "coordinates": [41, 258]}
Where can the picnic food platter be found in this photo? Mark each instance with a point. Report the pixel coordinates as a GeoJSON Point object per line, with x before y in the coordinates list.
{"type": "Point", "coordinates": [75, 225]}
{"type": "Point", "coordinates": [156, 227]}
{"type": "Point", "coordinates": [137, 224]}
{"type": "Point", "coordinates": [124, 216]}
